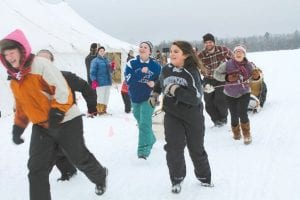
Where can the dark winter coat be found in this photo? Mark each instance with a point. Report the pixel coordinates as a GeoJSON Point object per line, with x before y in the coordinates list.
{"type": "Point", "coordinates": [186, 102]}
{"type": "Point", "coordinates": [101, 71]}
{"type": "Point", "coordinates": [139, 91]}
{"type": "Point", "coordinates": [88, 61]}
{"type": "Point", "coordinates": [77, 84]}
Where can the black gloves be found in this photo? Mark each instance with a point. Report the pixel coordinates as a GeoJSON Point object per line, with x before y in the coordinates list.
{"type": "Point", "coordinates": [92, 111]}
{"type": "Point", "coordinates": [55, 117]}
{"type": "Point", "coordinates": [17, 131]}
{"type": "Point", "coordinates": [170, 89]}
{"type": "Point", "coordinates": [153, 100]}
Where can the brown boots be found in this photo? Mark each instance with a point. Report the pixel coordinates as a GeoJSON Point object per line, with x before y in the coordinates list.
{"type": "Point", "coordinates": [245, 130]}
{"type": "Point", "coordinates": [101, 109]}
{"type": "Point", "coordinates": [236, 130]}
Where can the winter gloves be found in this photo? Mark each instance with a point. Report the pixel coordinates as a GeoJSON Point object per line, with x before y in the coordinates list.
{"type": "Point", "coordinates": [113, 65]}
{"type": "Point", "coordinates": [153, 100]}
{"type": "Point", "coordinates": [55, 117]}
{"type": "Point", "coordinates": [92, 111]}
{"type": "Point", "coordinates": [232, 77]}
{"type": "Point", "coordinates": [170, 89]}
{"type": "Point", "coordinates": [17, 131]}
{"type": "Point", "coordinates": [95, 84]}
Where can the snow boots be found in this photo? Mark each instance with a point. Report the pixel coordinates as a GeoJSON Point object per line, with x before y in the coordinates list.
{"type": "Point", "coordinates": [246, 133]}
{"type": "Point", "coordinates": [236, 130]}
{"type": "Point", "coordinates": [101, 109]}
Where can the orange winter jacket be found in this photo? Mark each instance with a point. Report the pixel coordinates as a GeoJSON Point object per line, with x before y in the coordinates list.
{"type": "Point", "coordinates": [40, 88]}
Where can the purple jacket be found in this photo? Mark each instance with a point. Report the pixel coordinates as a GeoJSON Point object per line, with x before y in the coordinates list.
{"type": "Point", "coordinates": [243, 69]}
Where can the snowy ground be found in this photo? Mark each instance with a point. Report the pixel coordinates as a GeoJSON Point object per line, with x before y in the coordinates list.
{"type": "Point", "coordinates": [268, 169]}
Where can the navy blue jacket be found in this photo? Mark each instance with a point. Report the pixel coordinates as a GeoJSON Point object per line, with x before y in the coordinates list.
{"type": "Point", "coordinates": [139, 91]}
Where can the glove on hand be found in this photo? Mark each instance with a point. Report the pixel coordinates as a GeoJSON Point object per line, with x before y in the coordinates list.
{"type": "Point", "coordinates": [55, 117]}
{"type": "Point", "coordinates": [95, 84]}
{"type": "Point", "coordinates": [170, 89]}
{"type": "Point", "coordinates": [17, 131]}
{"type": "Point", "coordinates": [153, 100]}
{"type": "Point", "coordinates": [232, 77]}
{"type": "Point", "coordinates": [113, 65]}
{"type": "Point", "coordinates": [92, 111]}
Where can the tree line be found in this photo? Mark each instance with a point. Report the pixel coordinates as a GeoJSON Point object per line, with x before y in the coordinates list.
{"type": "Point", "coordinates": [266, 42]}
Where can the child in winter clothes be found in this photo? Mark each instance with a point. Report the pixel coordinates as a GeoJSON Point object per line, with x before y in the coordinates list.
{"type": "Point", "coordinates": [101, 76]}
{"type": "Point", "coordinates": [125, 97]}
{"type": "Point", "coordinates": [140, 75]}
{"type": "Point", "coordinates": [258, 90]}
{"type": "Point", "coordinates": [237, 73]}
{"type": "Point", "coordinates": [180, 82]}
{"type": "Point", "coordinates": [43, 97]}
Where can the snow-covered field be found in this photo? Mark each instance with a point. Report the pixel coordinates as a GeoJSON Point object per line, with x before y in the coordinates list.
{"type": "Point", "coordinates": [268, 169]}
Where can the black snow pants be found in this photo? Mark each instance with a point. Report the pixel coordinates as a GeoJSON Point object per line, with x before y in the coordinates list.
{"type": "Point", "coordinates": [238, 108]}
{"type": "Point", "coordinates": [180, 133]}
{"type": "Point", "coordinates": [63, 164]}
{"type": "Point", "coordinates": [127, 101]}
{"type": "Point", "coordinates": [42, 153]}
{"type": "Point", "coordinates": [215, 102]}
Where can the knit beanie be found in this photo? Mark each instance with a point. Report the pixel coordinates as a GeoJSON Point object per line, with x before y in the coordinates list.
{"type": "Point", "coordinates": [240, 48]}
{"type": "Point", "coordinates": [149, 44]}
{"type": "Point", "coordinates": [208, 37]}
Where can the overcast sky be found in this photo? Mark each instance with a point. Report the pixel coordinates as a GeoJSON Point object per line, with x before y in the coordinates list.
{"type": "Point", "coordinates": [158, 20]}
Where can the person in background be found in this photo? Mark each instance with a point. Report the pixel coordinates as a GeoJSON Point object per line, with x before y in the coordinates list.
{"type": "Point", "coordinates": [237, 73]}
{"type": "Point", "coordinates": [88, 60]}
{"type": "Point", "coordinates": [130, 55]}
{"type": "Point", "coordinates": [212, 56]}
{"type": "Point", "coordinates": [42, 96]}
{"type": "Point", "coordinates": [140, 75]}
{"type": "Point", "coordinates": [77, 84]}
{"type": "Point", "coordinates": [101, 76]}
{"type": "Point", "coordinates": [180, 83]}
{"type": "Point", "coordinates": [258, 90]}
{"type": "Point", "coordinates": [164, 59]}
{"type": "Point", "coordinates": [125, 97]}
{"type": "Point", "coordinates": [158, 57]}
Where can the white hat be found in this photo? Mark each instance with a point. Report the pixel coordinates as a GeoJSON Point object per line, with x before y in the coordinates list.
{"type": "Point", "coordinates": [240, 48]}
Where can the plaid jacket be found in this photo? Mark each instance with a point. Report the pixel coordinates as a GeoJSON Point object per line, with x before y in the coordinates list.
{"type": "Point", "coordinates": [212, 60]}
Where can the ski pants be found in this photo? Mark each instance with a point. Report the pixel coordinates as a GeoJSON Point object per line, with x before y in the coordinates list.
{"type": "Point", "coordinates": [215, 102]}
{"type": "Point", "coordinates": [143, 115]}
{"type": "Point", "coordinates": [178, 134]}
{"type": "Point", "coordinates": [238, 108]}
{"type": "Point", "coordinates": [42, 153]}
{"type": "Point", "coordinates": [63, 164]}
{"type": "Point", "coordinates": [127, 101]}
{"type": "Point", "coordinates": [103, 93]}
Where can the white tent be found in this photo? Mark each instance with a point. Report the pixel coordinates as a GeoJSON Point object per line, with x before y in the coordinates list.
{"type": "Point", "coordinates": [56, 27]}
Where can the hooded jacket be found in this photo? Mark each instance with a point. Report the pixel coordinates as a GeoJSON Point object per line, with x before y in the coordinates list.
{"type": "Point", "coordinates": [37, 86]}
